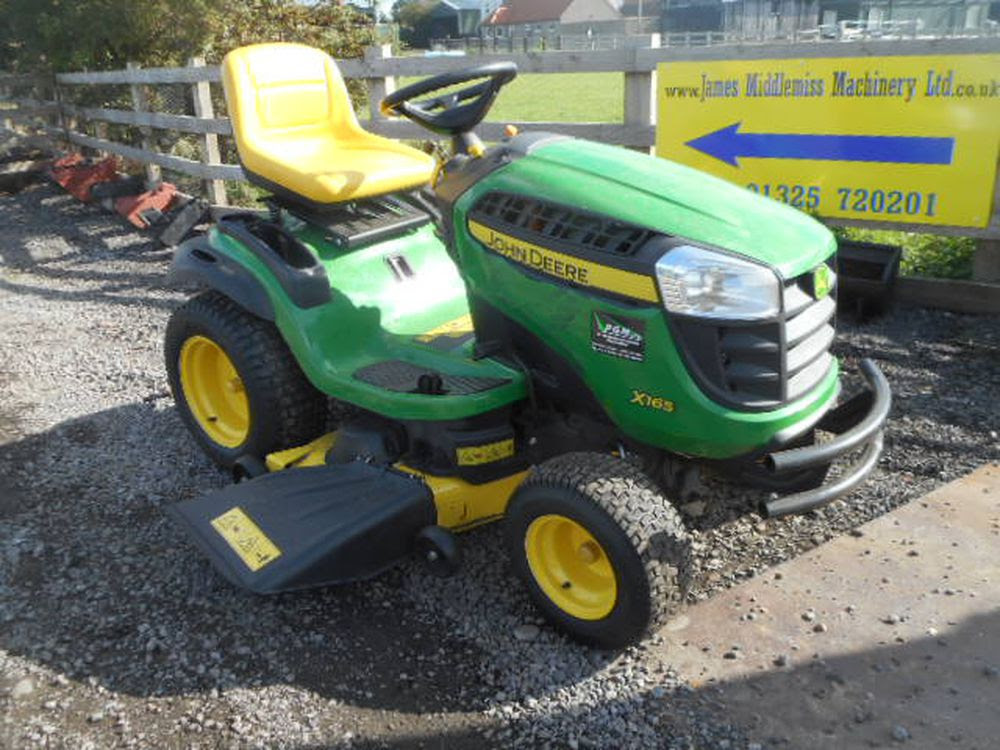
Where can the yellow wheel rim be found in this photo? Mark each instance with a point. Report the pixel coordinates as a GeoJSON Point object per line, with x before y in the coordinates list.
{"type": "Point", "coordinates": [571, 567]}
{"type": "Point", "coordinates": [214, 392]}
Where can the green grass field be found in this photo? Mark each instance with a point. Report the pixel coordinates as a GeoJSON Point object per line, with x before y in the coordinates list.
{"type": "Point", "coordinates": [559, 97]}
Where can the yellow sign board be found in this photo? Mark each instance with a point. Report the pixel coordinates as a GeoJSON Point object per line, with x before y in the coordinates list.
{"type": "Point", "coordinates": [909, 139]}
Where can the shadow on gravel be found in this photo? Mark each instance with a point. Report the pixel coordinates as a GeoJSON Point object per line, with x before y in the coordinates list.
{"type": "Point", "coordinates": [75, 239]}
{"type": "Point", "coordinates": [111, 293]}
{"type": "Point", "coordinates": [97, 583]}
{"type": "Point", "coordinates": [934, 692]}
{"type": "Point", "coordinates": [9, 422]}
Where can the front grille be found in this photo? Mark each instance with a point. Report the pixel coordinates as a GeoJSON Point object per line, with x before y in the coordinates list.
{"type": "Point", "coordinates": [763, 365]}
{"type": "Point", "coordinates": [542, 222]}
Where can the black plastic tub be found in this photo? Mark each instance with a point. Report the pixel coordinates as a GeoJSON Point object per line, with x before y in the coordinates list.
{"type": "Point", "coordinates": [867, 273]}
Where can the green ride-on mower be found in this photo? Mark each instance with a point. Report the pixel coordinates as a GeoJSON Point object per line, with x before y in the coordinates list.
{"type": "Point", "coordinates": [547, 331]}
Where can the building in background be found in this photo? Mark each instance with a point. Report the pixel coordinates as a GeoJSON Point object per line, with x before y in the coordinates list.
{"type": "Point", "coordinates": [829, 18]}
{"type": "Point", "coordinates": [738, 19]}
{"type": "Point", "coordinates": [458, 18]}
{"type": "Point", "coordinates": [526, 18]}
{"type": "Point", "coordinates": [641, 16]}
{"type": "Point", "coordinates": [936, 17]}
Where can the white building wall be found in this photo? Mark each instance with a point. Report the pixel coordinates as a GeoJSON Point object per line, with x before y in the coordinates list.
{"type": "Point", "coordinates": [581, 11]}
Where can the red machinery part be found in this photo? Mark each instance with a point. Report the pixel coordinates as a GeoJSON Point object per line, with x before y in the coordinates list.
{"type": "Point", "coordinates": [77, 175]}
{"type": "Point", "coordinates": [139, 209]}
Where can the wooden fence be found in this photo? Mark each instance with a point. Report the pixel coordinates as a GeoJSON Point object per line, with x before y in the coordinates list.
{"type": "Point", "coordinates": [49, 110]}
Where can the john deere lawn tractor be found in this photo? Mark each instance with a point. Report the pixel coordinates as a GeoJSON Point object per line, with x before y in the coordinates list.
{"type": "Point", "coordinates": [546, 331]}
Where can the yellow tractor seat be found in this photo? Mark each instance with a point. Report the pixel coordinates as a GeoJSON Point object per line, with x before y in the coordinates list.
{"type": "Point", "coordinates": [297, 135]}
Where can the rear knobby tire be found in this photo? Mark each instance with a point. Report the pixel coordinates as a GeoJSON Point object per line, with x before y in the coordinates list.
{"type": "Point", "coordinates": [639, 532]}
{"type": "Point", "coordinates": [285, 410]}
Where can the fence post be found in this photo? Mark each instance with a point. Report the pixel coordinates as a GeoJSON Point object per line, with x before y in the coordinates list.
{"type": "Point", "coordinates": [201, 93]}
{"type": "Point", "coordinates": [140, 103]}
{"type": "Point", "coordinates": [5, 122]}
{"type": "Point", "coordinates": [66, 122]}
{"type": "Point", "coordinates": [378, 88]}
{"type": "Point", "coordinates": [640, 95]}
{"type": "Point", "coordinates": [986, 257]}
{"type": "Point", "coordinates": [40, 93]}
{"type": "Point", "coordinates": [54, 121]}
{"type": "Point", "coordinates": [986, 261]}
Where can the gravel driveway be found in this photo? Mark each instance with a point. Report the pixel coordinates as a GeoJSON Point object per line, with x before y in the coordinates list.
{"type": "Point", "coordinates": [115, 632]}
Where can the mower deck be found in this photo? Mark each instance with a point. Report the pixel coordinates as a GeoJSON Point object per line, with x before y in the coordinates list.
{"type": "Point", "coordinates": [309, 527]}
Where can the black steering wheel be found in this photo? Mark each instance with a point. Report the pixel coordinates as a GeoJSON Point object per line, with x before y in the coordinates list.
{"type": "Point", "coordinates": [454, 112]}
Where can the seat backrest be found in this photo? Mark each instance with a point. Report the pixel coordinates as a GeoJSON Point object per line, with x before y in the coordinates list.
{"type": "Point", "coordinates": [278, 90]}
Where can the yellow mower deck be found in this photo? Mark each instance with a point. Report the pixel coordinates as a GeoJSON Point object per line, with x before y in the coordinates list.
{"type": "Point", "coordinates": [460, 504]}
{"type": "Point", "coordinates": [308, 523]}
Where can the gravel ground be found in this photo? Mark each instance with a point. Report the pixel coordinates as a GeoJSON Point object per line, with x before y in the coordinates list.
{"type": "Point", "coordinates": [115, 632]}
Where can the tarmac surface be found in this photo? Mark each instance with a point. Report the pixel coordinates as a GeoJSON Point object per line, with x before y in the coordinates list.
{"type": "Point", "coordinates": [889, 636]}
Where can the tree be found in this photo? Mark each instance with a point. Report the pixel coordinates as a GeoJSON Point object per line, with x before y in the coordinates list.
{"type": "Point", "coordinates": [340, 30]}
{"type": "Point", "coordinates": [105, 34]}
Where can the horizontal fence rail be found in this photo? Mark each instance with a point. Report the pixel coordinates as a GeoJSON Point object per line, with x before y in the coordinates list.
{"type": "Point", "coordinates": [182, 123]}
{"type": "Point", "coordinates": [190, 74]}
{"type": "Point", "coordinates": [176, 163]}
{"type": "Point", "coordinates": [42, 102]}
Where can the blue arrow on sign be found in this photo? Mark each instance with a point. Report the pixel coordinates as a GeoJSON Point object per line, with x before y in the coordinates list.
{"type": "Point", "coordinates": [728, 144]}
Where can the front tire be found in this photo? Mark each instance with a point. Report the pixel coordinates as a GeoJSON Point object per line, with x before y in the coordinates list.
{"type": "Point", "coordinates": [603, 553]}
{"type": "Point", "coordinates": [237, 386]}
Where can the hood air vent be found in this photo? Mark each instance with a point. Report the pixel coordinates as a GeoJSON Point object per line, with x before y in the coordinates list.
{"type": "Point", "coordinates": [544, 222]}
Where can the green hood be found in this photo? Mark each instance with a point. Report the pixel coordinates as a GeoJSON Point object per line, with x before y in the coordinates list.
{"type": "Point", "coordinates": [674, 199]}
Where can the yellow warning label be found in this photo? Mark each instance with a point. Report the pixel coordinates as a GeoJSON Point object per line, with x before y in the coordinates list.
{"type": "Point", "coordinates": [457, 327]}
{"type": "Point", "coordinates": [246, 538]}
{"type": "Point", "coordinates": [474, 455]}
{"type": "Point", "coordinates": [566, 267]}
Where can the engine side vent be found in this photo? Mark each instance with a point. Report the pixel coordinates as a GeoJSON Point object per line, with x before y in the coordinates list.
{"type": "Point", "coordinates": [552, 223]}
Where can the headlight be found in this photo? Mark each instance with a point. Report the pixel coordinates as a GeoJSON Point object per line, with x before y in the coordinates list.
{"type": "Point", "coordinates": [696, 281]}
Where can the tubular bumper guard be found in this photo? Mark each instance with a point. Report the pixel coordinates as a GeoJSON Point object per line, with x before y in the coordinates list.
{"type": "Point", "coordinates": [858, 424]}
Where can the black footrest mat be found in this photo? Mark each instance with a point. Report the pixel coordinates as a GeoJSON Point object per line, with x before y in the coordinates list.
{"type": "Point", "coordinates": [406, 377]}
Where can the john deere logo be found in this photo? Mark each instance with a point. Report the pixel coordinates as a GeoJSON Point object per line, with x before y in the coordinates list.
{"type": "Point", "coordinates": [821, 281]}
